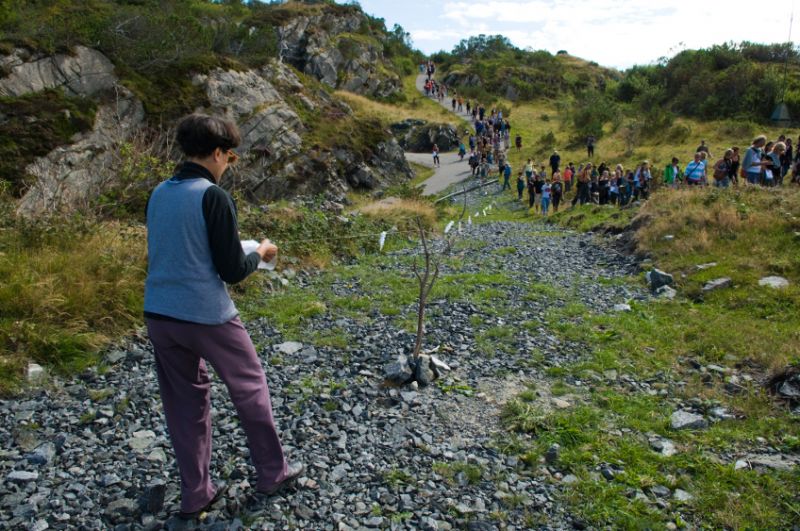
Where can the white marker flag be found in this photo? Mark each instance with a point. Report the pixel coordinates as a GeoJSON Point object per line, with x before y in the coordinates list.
{"type": "Point", "coordinates": [382, 240]}
{"type": "Point", "coordinates": [469, 221]}
{"type": "Point", "coordinates": [448, 227]}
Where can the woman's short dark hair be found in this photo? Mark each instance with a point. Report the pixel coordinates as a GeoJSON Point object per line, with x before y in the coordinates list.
{"type": "Point", "coordinates": [199, 135]}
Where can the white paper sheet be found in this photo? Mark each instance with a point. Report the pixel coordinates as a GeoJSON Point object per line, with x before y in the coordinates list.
{"type": "Point", "coordinates": [249, 246]}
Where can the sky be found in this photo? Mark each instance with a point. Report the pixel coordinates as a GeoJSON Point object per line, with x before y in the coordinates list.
{"type": "Point", "coordinates": [614, 33]}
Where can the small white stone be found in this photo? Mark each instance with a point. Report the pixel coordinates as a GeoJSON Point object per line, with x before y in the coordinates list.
{"type": "Point", "coordinates": [774, 282]}
{"type": "Point", "coordinates": [35, 372]}
{"type": "Point", "coordinates": [682, 495]}
{"type": "Point", "coordinates": [289, 347]}
{"type": "Point", "coordinates": [561, 404]}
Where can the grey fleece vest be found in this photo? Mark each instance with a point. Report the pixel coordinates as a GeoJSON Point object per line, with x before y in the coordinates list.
{"type": "Point", "coordinates": [182, 281]}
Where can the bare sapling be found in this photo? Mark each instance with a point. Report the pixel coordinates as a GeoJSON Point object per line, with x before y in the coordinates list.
{"type": "Point", "coordinates": [426, 277]}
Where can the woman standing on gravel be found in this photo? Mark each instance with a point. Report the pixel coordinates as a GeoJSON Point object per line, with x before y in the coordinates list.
{"type": "Point", "coordinates": [193, 250]}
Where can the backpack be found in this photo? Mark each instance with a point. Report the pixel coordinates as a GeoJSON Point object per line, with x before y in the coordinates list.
{"type": "Point", "coordinates": [720, 173]}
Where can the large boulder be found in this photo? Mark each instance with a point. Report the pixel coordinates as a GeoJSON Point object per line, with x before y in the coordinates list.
{"type": "Point", "coordinates": [419, 136]}
{"type": "Point", "coordinates": [463, 79]}
{"type": "Point", "coordinates": [657, 278]}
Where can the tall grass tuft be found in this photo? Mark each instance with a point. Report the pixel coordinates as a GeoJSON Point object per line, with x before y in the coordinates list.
{"type": "Point", "coordinates": [70, 286]}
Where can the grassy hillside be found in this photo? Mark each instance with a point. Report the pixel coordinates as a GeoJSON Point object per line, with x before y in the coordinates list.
{"type": "Point", "coordinates": [743, 81]}
{"type": "Point", "coordinates": [705, 350]}
{"type": "Point", "coordinates": [624, 142]}
{"type": "Point", "coordinates": [486, 67]}
{"type": "Point", "coordinates": [412, 105]}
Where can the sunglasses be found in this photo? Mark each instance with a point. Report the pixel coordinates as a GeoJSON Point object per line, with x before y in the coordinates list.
{"type": "Point", "coordinates": [232, 156]}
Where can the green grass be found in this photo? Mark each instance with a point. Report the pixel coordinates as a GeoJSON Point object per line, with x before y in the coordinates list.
{"type": "Point", "coordinates": [421, 174]}
{"type": "Point", "coordinates": [495, 341]}
{"type": "Point", "coordinates": [69, 288]}
{"type": "Point", "coordinates": [457, 471]}
{"type": "Point", "coordinates": [595, 218]}
{"type": "Point", "coordinates": [748, 329]}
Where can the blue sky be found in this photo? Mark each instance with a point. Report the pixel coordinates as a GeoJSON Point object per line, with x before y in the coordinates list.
{"type": "Point", "coordinates": [615, 33]}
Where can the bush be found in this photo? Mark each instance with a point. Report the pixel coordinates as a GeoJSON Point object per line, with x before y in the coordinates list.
{"type": "Point", "coordinates": [679, 133]}
{"type": "Point", "coordinates": [589, 111]}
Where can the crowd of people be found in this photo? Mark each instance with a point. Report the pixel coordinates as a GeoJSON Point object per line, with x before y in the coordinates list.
{"type": "Point", "coordinates": [764, 163]}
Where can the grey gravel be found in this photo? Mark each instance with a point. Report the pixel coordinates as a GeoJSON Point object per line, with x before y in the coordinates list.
{"type": "Point", "coordinates": [93, 450]}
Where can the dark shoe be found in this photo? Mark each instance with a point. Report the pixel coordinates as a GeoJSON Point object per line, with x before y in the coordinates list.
{"type": "Point", "coordinates": [222, 488]}
{"type": "Point", "coordinates": [293, 472]}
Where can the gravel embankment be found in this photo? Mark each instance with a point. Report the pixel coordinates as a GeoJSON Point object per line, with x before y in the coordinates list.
{"type": "Point", "coordinates": [93, 452]}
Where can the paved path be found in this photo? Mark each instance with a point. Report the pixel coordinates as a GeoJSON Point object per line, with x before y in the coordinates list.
{"type": "Point", "coordinates": [451, 171]}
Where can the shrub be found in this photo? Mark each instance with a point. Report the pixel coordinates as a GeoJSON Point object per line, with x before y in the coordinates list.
{"type": "Point", "coordinates": [589, 111]}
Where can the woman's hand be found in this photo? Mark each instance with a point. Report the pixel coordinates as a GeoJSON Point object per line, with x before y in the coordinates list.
{"type": "Point", "coordinates": [267, 250]}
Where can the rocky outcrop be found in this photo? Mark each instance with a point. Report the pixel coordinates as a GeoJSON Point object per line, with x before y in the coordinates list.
{"type": "Point", "coordinates": [276, 163]}
{"type": "Point", "coordinates": [418, 136]}
{"type": "Point", "coordinates": [330, 48]}
{"type": "Point", "coordinates": [267, 104]}
{"type": "Point", "coordinates": [86, 72]}
{"type": "Point", "coordinates": [462, 79]}
{"type": "Point", "coordinates": [74, 174]}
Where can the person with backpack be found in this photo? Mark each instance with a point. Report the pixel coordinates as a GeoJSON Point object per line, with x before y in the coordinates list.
{"type": "Point", "coordinates": [473, 162]}
{"type": "Point", "coordinates": [722, 170]}
{"type": "Point", "coordinates": [436, 161]}
{"type": "Point", "coordinates": [462, 150]}
{"type": "Point", "coordinates": [695, 172]}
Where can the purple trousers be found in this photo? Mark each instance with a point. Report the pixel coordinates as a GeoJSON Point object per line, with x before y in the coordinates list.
{"type": "Point", "coordinates": [182, 350]}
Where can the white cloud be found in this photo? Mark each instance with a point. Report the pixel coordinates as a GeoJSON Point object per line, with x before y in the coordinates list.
{"type": "Point", "coordinates": [612, 32]}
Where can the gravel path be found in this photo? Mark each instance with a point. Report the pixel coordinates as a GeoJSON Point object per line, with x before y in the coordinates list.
{"type": "Point", "coordinates": [452, 170]}
{"type": "Point", "coordinates": [92, 452]}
